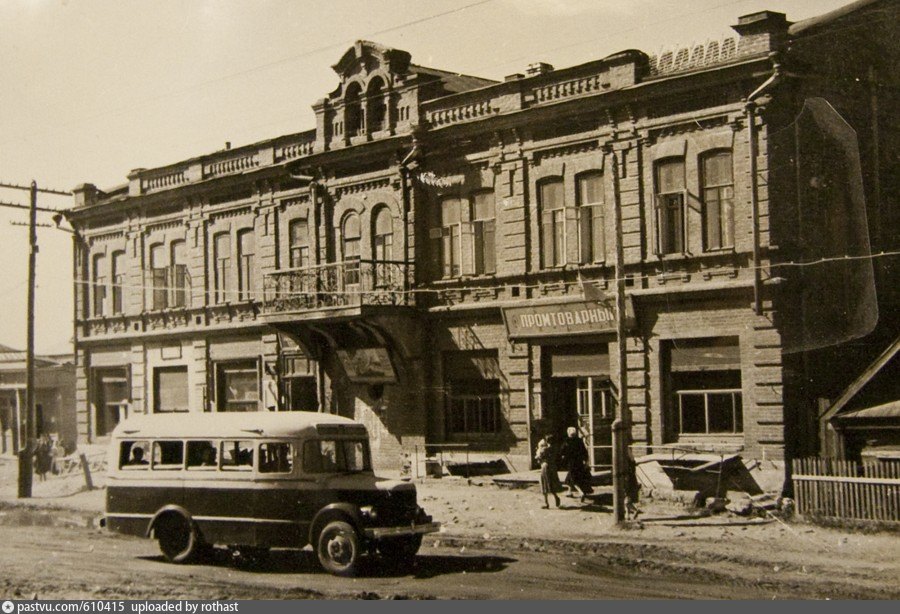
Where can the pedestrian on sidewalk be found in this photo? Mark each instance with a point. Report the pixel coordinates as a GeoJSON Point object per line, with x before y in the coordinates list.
{"type": "Point", "coordinates": [574, 457]}
{"type": "Point", "coordinates": [42, 460]}
{"type": "Point", "coordinates": [546, 457]}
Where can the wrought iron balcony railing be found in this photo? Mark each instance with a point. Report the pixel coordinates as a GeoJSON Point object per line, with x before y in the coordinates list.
{"type": "Point", "coordinates": [350, 283]}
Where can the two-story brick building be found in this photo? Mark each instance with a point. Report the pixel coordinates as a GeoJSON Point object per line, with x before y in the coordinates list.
{"type": "Point", "coordinates": [436, 257]}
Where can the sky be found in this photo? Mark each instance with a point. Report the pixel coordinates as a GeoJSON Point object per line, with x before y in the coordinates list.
{"type": "Point", "coordinates": [94, 88]}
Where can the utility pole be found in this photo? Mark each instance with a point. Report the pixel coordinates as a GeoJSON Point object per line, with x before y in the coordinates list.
{"type": "Point", "coordinates": [29, 423]}
{"type": "Point", "coordinates": [26, 460]}
{"type": "Point", "coordinates": [621, 427]}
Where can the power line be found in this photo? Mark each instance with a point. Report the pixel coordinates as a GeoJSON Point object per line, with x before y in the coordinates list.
{"type": "Point", "coordinates": [439, 291]}
{"type": "Point", "coordinates": [26, 207]}
{"type": "Point", "coordinates": [15, 186]}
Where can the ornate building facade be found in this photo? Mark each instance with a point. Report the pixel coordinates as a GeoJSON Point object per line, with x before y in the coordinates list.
{"type": "Point", "coordinates": [436, 258]}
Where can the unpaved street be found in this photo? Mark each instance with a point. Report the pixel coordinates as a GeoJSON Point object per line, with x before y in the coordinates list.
{"type": "Point", "coordinates": [43, 556]}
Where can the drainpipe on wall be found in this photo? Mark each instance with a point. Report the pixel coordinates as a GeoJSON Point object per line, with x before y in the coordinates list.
{"type": "Point", "coordinates": [404, 195]}
{"type": "Point", "coordinates": [750, 109]}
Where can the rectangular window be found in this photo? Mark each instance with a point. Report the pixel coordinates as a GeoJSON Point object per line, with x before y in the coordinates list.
{"type": "Point", "coordinates": [111, 398]}
{"type": "Point", "coordinates": [718, 200]}
{"type": "Point", "coordinates": [168, 455]}
{"type": "Point", "coordinates": [238, 386]}
{"type": "Point", "coordinates": [170, 389]}
{"type": "Point", "coordinates": [705, 381]}
{"type": "Point", "coordinates": [670, 206]}
{"type": "Point", "coordinates": [134, 455]}
{"type": "Point", "coordinates": [484, 222]}
{"type": "Point", "coordinates": [118, 279]}
{"type": "Point", "coordinates": [179, 281]}
{"type": "Point", "coordinates": [236, 455]}
{"type": "Point", "coordinates": [591, 202]}
{"type": "Point", "coordinates": [202, 455]}
{"type": "Point", "coordinates": [101, 279]}
{"type": "Point", "coordinates": [276, 457]}
{"type": "Point", "coordinates": [246, 253]}
{"type": "Point", "coordinates": [473, 401]}
{"type": "Point", "coordinates": [336, 455]}
{"type": "Point", "coordinates": [553, 223]}
{"type": "Point", "coordinates": [221, 267]}
{"type": "Point", "coordinates": [451, 236]}
{"type": "Point", "coordinates": [298, 231]}
{"type": "Point", "coordinates": [159, 277]}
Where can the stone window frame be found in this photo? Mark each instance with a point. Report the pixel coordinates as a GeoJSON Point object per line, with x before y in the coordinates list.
{"type": "Point", "coordinates": [231, 227]}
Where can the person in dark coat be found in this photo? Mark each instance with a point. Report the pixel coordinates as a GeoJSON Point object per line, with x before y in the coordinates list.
{"type": "Point", "coordinates": [574, 455]}
{"type": "Point", "coordinates": [42, 458]}
{"type": "Point", "coordinates": [546, 457]}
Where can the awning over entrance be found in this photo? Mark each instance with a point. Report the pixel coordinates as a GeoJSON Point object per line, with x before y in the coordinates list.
{"type": "Point", "coordinates": [584, 361]}
{"type": "Point", "coordinates": [706, 358]}
{"type": "Point", "coordinates": [879, 412]}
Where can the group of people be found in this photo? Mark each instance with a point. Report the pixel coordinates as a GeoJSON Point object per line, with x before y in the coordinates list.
{"type": "Point", "coordinates": [573, 455]}
{"type": "Point", "coordinates": [46, 453]}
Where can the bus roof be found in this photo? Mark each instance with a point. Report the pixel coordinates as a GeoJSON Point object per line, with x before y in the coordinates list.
{"type": "Point", "coordinates": [232, 425]}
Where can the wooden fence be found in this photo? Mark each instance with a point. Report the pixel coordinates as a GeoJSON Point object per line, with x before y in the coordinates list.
{"type": "Point", "coordinates": [833, 488]}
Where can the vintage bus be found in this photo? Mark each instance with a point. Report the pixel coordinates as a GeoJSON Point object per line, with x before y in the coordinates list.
{"type": "Point", "coordinates": [255, 481]}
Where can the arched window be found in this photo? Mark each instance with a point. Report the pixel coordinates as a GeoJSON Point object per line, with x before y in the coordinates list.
{"type": "Point", "coordinates": [377, 110]}
{"type": "Point", "coordinates": [246, 254]}
{"type": "Point", "coordinates": [553, 222]}
{"type": "Point", "coordinates": [353, 112]}
{"type": "Point", "coordinates": [451, 236]}
{"type": "Point", "coordinates": [101, 279]}
{"type": "Point", "coordinates": [158, 277]}
{"type": "Point", "coordinates": [221, 266]}
{"type": "Point", "coordinates": [298, 239]}
{"type": "Point", "coordinates": [590, 201]}
{"type": "Point", "coordinates": [718, 200]}
{"type": "Point", "coordinates": [118, 281]}
{"type": "Point", "coordinates": [383, 235]}
{"type": "Point", "coordinates": [350, 248]}
{"type": "Point", "coordinates": [179, 281]}
{"type": "Point", "coordinates": [670, 206]}
{"type": "Point", "coordinates": [484, 231]}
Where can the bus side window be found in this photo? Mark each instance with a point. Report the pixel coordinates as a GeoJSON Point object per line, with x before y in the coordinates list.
{"type": "Point", "coordinates": [312, 457]}
{"type": "Point", "coordinates": [133, 455]}
{"type": "Point", "coordinates": [168, 454]}
{"type": "Point", "coordinates": [201, 455]}
{"type": "Point", "coordinates": [237, 455]}
{"type": "Point", "coordinates": [276, 457]}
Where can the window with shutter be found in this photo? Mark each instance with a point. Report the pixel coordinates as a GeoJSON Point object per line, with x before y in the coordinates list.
{"type": "Point", "coordinates": [484, 224]}
{"type": "Point", "coordinates": [670, 206]}
{"type": "Point", "coordinates": [553, 225]}
{"type": "Point", "coordinates": [718, 200]}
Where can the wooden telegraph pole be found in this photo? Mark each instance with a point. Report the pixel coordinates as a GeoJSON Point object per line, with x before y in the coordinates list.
{"type": "Point", "coordinates": [29, 425]}
{"type": "Point", "coordinates": [621, 427]}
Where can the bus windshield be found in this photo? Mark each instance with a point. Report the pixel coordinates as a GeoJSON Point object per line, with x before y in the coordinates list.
{"type": "Point", "coordinates": [336, 456]}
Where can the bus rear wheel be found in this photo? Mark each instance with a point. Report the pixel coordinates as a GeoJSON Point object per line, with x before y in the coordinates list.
{"type": "Point", "coordinates": [338, 548]}
{"type": "Point", "coordinates": [178, 538]}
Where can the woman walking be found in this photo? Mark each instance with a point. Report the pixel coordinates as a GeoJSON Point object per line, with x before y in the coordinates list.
{"type": "Point", "coordinates": [546, 457]}
{"type": "Point", "coordinates": [574, 455]}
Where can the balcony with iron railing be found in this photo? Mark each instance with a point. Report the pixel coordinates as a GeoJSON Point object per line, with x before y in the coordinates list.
{"type": "Point", "coordinates": [353, 283]}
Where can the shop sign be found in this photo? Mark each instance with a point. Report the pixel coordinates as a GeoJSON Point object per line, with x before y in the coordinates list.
{"type": "Point", "coordinates": [560, 319]}
{"type": "Point", "coordinates": [367, 365]}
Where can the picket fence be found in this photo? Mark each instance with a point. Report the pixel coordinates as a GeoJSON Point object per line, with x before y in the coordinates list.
{"type": "Point", "coordinates": [832, 488]}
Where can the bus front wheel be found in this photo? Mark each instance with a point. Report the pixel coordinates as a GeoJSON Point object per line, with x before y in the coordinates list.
{"type": "Point", "coordinates": [179, 540]}
{"type": "Point", "coordinates": [338, 548]}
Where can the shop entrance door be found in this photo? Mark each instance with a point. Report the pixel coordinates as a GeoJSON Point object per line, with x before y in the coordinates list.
{"type": "Point", "coordinates": [595, 404]}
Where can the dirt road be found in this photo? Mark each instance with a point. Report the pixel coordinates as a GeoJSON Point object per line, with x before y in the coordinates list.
{"type": "Point", "coordinates": [54, 555]}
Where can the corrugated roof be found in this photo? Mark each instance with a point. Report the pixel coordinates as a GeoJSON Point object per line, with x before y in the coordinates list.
{"type": "Point", "coordinates": [807, 26]}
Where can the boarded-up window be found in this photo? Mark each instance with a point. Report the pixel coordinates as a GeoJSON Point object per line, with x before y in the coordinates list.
{"type": "Point", "coordinates": [170, 387]}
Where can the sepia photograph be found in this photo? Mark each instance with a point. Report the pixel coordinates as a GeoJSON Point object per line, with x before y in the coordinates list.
{"type": "Point", "coordinates": [543, 300]}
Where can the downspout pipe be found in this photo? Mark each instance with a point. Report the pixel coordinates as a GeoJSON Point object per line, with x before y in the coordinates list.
{"type": "Point", "coordinates": [404, 195]}
{"type": "Point", "coordinates": [750, 109]}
